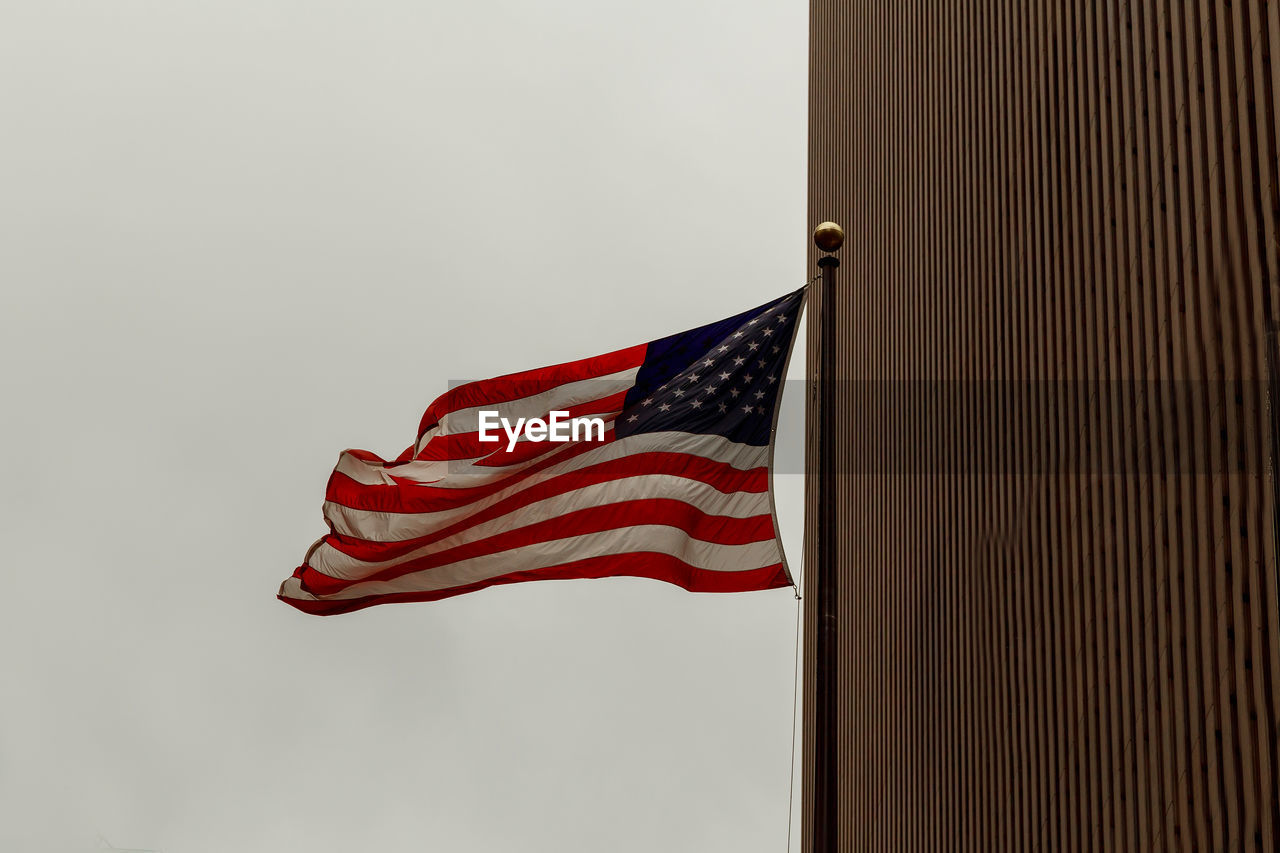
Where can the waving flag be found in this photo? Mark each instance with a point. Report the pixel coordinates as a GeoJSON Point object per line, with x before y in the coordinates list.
{"type": "Point", "coordinates": [672, 485]}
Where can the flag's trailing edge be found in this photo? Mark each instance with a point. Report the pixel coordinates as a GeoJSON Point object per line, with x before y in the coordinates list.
{"type": "Point", "coordinates": [678, 490]}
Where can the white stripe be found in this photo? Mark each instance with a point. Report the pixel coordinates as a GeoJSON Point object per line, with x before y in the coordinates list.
{"type": "Point", "coordinates": [379, 526]}
{"type": "Point", "coordinates": [466, 473]}
{"type": "Point", "coordinates": [535, 405]}
{"type": "Point", "coordinates": [459, 473]}
{"type": "Point", "coordinates": [366, 473]}
{"type": "Point", "coordinates": [657, 539]}
{"type": "Point", "coordinates": [710, 500]}
{"type": "Point", "coordinates": [463, 421]}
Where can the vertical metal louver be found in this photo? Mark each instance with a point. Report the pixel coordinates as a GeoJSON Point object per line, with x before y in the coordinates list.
{"type": "Point", "coordinates": [1060, 624]}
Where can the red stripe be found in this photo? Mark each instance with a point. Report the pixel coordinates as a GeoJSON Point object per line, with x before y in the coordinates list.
{"type": "Point", "coordinates": [347, 491]}
{"type": "Point", "coordinates": [513, 386]}
{"type": "Point", "coordinates": [717, 529]}
{"type": "Point", "coordinates": [419, 498]}
{"type": "Point", "coordinates": [729, 482]}
{"type": "Point", "coordinates": [661, 567]}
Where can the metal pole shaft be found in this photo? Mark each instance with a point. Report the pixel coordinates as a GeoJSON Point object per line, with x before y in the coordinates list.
{"type": "Point", "coordinates": [826, 735]}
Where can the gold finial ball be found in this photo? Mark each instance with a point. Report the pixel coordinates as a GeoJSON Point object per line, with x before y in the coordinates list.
{"type": "Point", "coordinates": [828, 236]}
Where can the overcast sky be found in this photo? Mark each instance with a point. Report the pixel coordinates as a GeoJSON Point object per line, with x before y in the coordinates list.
{"type": "Point", "coordinates": [237, 237]}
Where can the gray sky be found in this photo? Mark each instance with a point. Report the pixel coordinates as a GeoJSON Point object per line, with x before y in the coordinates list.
{"type": "Point", "coordinates": [238, 237]}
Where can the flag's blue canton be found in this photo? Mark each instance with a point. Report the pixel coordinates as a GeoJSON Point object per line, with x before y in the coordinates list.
{"type": "Point", "coordinates": [723, 378]}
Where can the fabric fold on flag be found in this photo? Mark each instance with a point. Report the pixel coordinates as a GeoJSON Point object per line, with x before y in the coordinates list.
{"type": "Point", "coordinates": [674, 485]}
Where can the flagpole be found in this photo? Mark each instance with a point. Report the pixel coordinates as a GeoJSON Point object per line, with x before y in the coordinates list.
{"type": "Point", "coordinates": [828, 237]}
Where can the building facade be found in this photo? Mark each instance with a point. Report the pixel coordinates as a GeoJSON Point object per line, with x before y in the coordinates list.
{"type": "Point", "coordinates": [1056, 304]}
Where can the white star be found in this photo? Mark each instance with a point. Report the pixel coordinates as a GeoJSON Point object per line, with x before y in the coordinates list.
{"type": "Point", "coordinates": [679, 392]}
{"type": "Point", "coordinates": [767, 332]}
{"type": "Point", "coordinates": [648, 402]}
{"type": "Point", "coordinates": [762, 363]}
{"type": "Point", "coordinates": [662, 387]}
{"type": "Point", "coordinates": [693, 377]}
{"type": "Point", "coordinates": [723, 408]}
{"type": "Point", "coordinates": [746, 377]}
{"type": "Point", "coordinates": [711, 389]}
{"type": "Point", "coordinates": [738, 362]}
{"type": "Point", "coordinates": [697, 404]}
{"type": "Point", "coordinates": [754, 346]}
{"type": "Point", "coordinates": [748, 409]}
{"type": "Point", "coordinates": [633, 419]}
{"type": "Point", "coordinates": [759, 395]}
{"type": "Point", "coordinates": [708, 363]}
{"type": "Point", "coordinates": [664, 408]}
{"type": "Point", "coordinates": [772, 379]}
{"type": "Point", "coordinates": [753, 321]}
{"type": "Point", "coordinates": [734, 391]}
{"type": "Point", "coordinates": [724, 377]}
{"type": "Point", "coordinates": [737, 334]}
{"type": "Point", "coordinates": [782, 318]}
{"type": "Point", "coordinates": [724, 349]}
{"type": "Point", "coordinates": [776, 350]}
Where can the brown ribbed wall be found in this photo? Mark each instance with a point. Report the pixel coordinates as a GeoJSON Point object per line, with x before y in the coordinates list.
{"type": "Point", "coordinates": [1059, 614]}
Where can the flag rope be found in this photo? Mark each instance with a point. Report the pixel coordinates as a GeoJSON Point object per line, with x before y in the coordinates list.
{"type": "Point", "coordinates": [795, 702]}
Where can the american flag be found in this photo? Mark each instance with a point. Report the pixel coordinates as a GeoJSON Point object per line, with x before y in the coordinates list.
{"type": "Point", "coordinates": [678, 489]}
